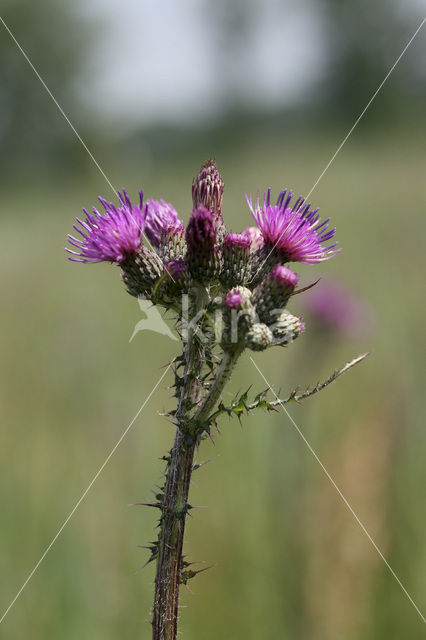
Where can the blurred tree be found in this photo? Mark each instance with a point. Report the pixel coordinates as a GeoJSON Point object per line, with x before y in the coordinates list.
{"type": "Point", "coordinates": [364, 41]}
{"type": "Point", "coordinates": [233, 25]}
{"type": "Point", "coordinates": [361, 42]}
{"type": "Point", "coordinates": [31, 128]}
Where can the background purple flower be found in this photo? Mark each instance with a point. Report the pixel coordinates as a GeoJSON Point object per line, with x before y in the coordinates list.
{"type": "Point", "coordinates": [296, 232]}
{"type": "Point", "coordinates": [336, 308]}
{"type": "Point", "coordinates": [111, 237]}
{"type": "Point", "coordinates": [160, 216]}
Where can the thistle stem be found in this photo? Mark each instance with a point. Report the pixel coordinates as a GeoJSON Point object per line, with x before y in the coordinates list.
{"type": "Point", "coordinates": [175, 505]}
{"type": "Point", "coordinates": [226, 366]}
{"type": "Point", "coordinates": [169, 563]}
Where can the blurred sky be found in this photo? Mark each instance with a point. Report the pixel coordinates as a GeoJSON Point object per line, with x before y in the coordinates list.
{"type": "Point", "coordinates": [174, 53]}
{"type": "Point", "coordinates": [181, 53]}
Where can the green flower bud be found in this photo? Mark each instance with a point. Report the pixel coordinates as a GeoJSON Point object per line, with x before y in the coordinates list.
{"type": "Point", "coordinates": [286, 328]}
{"type": "Point", "coordinates": [259, 337]}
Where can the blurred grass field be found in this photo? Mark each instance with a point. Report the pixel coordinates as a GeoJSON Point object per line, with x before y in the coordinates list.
{"type": "Point", "coordinates": [289, 560]}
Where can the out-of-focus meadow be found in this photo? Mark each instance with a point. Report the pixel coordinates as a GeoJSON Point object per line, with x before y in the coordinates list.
{"type": "Point", "coordinates": [288, 558]}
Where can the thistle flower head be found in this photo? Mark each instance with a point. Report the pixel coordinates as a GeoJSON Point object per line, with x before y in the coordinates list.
{"type": "Point", "coordinates": [295, 232]}
{"type": "Point", "coordinates": [247, 268]}
{"type": "Point", "coordinates": [114, 236]}
{"type": "Point", "coordinates": [207, 188]}
{"type": "Point", "coordinates": [160, 218]}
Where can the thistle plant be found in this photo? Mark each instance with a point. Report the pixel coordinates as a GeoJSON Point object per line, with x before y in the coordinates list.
{"type": "Point", "coordinates": [228, 292]}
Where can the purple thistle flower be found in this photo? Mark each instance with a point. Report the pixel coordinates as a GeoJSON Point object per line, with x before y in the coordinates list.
{"type": "Point", "coordinates": [114, 236]}
{"type": "Point", "coordinates": [295, 231]}
{"type": "Point", "coordinates": [160, 217]}
{"type": "Point", "coordinates": [233, 299]}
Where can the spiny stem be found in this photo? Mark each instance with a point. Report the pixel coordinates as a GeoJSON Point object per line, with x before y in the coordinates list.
{"type": "Point", "coordinates": [175, 503]}
{"type": "Point", "coordinates": [178, 477]}
{"type": "Point", "coordinates": [169, 563]}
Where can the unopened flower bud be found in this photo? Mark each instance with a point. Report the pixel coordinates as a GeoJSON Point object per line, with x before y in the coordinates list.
{"type": "Point", "coordinates": [275, 290]}
{"type": "Point", "coordinates": [238, 315]}
{"type": "Point", "coordinates": [202, 255]}
{"type": "Point", "coordinates": [233, 299]}
{"type": "Point", "coordinates": [259, 337]}
{"type": "Point", "coordinates": [207, 188]}
{"type": "Point", "coordinates": [286, 328]}
{"type": "Point", "coordinates": [236, 260]}
{"type": "Point", "coordinates": [242, 294]}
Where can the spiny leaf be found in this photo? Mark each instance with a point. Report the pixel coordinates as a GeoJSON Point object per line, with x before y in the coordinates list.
{"type": "Point", "coordinates": [239, 405]}
{"type": "Point", "coordinates": [297, 397]}
{"type": "Point", "coordinates": [188, 574]}
{"type": "Point", "coordinates": [305, 288]}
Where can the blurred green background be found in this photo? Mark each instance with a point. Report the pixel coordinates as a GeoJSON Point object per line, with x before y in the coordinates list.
{"type": "Point", "coordinates": [289, 560]}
